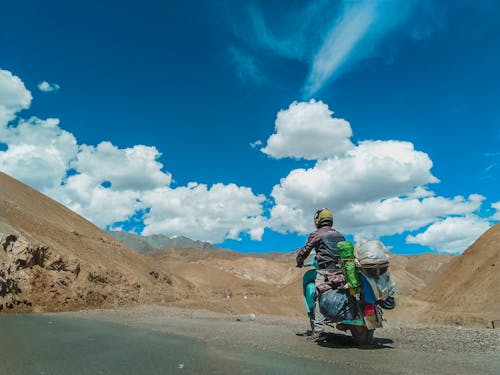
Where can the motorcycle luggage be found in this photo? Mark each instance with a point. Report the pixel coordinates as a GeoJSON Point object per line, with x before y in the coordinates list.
{"type": "Point", "coordinates": [336, 305]}
{"type": "Point", "coordinates": [387, 304]}
{"type": "Point", "coordinates": [346, 249]}
{"type": "Point", "coordinates": [335, 278]}
{"type": "Point", "coordinates": [371, 252]}
{"type": "Point", "coordinates": [349, 267]}
{"type": "Point", "coordinates": [379, 289]}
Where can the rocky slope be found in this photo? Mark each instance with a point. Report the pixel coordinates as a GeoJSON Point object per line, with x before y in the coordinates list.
{"type": "Point", "coordinates": [52, 259]}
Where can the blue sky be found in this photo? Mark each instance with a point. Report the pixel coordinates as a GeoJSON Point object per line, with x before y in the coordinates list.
{"type": "Point", "coordinates": [234, 121]}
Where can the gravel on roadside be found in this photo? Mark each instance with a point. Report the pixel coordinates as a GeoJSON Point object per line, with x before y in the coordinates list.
{"type": "Point", "coordinates": [400, 347]}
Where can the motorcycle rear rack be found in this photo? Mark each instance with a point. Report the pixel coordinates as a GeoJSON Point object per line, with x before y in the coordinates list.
{"type": "Point", "coordinates": [354, 322]}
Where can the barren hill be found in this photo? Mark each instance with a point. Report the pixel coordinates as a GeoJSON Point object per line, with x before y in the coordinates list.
{"type": "Point", "coordinates": [270, 283]}
{"type": "Point", "coordinates": [467, 290]}
{"type": "Point", "coordinates": [413, 272]}
{"type": "Point", "coordinates": [233, 282]}
{"type": "Point", "coordinates": [53, 259]}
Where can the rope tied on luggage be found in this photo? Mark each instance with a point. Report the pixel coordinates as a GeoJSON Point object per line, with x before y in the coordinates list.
{"type": "Point", "coordinates": [374, 270]}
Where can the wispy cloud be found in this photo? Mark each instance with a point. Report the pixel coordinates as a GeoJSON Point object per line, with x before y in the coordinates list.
{"type": "Point", "coordinates": [339, 44]}
{"type": "Point", "coordinates": [489, 170]}
{"type": "Point", "coordinates": [491, 154]}
{"type": "Point", "coordinates": [246, 66]}
{"type": "Point", "coordinates": [354, 37]}
{"type": "Point", "coordinates": [490, 167]}
{"type": "Point", "coordinates": [48, 87]}
{"type": "Point", "coordinates": [256, 144]}
{"type": "Point", "coordinates": [298, 32]}
{"type": "Point", "coordinates": [328, 36]}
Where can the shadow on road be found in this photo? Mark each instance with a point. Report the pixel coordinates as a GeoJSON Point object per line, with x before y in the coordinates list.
{"type": "Point", "coordinates": [339, 340]}
{"type": "Point", "coordinates": [343, 341]}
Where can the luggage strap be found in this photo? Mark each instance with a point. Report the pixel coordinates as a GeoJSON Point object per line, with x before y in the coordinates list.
{"type": "Point", "coordinates": [376, 267]}
{"type": "Point", "coordinates": [334, 280]}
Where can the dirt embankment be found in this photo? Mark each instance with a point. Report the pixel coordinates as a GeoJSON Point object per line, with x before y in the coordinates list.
{"type": "Point", "coordinates": [52, 259]}
{"type": "Point", "coordinates": [37, 278]}
{"type": "Point", "coordinates": [468, 288]}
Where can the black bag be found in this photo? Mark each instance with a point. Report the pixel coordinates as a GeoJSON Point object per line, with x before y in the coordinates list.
{"type": "Point", "coordinates": [387, 304]}
{"type": "Point", "coordinates": [337, 305]}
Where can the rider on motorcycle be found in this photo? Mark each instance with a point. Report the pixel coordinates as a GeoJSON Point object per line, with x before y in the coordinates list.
{"type": "Point", "coordinates": [324, 241]}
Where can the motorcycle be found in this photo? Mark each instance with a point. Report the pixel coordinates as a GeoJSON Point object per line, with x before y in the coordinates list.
{"type": "Point", "coordinates": [367, 306]}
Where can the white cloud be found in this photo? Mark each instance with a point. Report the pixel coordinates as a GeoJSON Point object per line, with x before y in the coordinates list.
{"type": "Point", "coordinates": [496, 206]}
{"type": "Point", "coordinates": [84, 194]}
{"type": "Point", "coordinates": [223, 211]}
{"type": "Point", "coordinates": [130, 172]}
{"type": "Point", "coordinates": [48, 87]}
{"type": "Point", "coordinates": [377, 188]}
{"type": "Point", "coordinates": [308, 130]}
{"type": "Point", "coordinates": [451, 235]}
{"type": "Point", "coordinates": [13, 96]}
{"type": "Point", "coordinates": [138, 184]}
{"type": "Point", "coordinates": [256, 144]}
{"type": "Point", "coordinates": [39, 152]}
{"type": "Point", "coordinates": [135, 168]}
{"type": "Point", "coordinates": [107, 184]}
{"type": "Point", "coordinates": [399, 214]}
{"type": "Point", "coordinates": [371, 172]}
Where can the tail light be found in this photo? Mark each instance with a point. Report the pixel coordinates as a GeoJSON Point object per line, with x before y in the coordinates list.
{"type": "Point", "coordinates": [369, 310]}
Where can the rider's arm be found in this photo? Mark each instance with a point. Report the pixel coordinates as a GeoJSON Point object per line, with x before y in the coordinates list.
{"type": "Point", "coordinates": [312, 262]}
{"type": "Point", "coordinates": [303, 252]}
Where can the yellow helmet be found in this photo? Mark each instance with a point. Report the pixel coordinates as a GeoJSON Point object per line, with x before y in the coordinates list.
{"type": "Point", "coordinates": [323, 217]}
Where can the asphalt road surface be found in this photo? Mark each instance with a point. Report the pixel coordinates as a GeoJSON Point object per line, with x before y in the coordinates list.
{"type": "Point", "coordinates": [68, 345]}
{"type": "Point", "coordinates": [165, 340]}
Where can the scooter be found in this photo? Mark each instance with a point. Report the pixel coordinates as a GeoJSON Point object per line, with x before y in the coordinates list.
{"type": "Point", "coordinates": [368, 314]}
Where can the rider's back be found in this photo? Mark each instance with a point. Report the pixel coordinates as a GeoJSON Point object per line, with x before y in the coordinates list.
{"type": "Point", "coordinates": [327, 251]}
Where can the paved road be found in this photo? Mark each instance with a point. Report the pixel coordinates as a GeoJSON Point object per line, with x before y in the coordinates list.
{"type": "Point", "coordinates": [65, 345]}
{"type": "Point", "coordinates": [400, 348]}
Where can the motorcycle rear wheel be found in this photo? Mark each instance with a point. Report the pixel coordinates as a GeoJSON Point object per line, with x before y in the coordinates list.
{"type": "Point", "coordinates": [362, 335]}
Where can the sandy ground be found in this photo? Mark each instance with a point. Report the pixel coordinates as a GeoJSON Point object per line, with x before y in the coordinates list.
{"type": "Point", "coordinates": [400, 348]}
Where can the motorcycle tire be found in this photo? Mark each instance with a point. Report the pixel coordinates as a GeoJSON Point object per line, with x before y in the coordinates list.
{"type": "Point", "coordinates": [362, 335]}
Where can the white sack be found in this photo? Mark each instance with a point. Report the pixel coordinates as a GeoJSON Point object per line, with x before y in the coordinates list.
{"type": "Point", "coordinates": [371, 252]}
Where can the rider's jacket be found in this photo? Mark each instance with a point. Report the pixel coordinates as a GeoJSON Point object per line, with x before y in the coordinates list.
{"type": "Point", "coordinates": [324, 240]}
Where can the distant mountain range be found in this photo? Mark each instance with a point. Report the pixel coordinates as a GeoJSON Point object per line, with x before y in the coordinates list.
{"type": "Point", "coordinates": [147, 244]}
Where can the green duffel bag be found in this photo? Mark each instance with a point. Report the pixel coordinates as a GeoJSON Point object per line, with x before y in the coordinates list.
{"type": "Point", "coordinates": [346, 249]}
{"type": "Point", "coordinates": [347, 255]}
